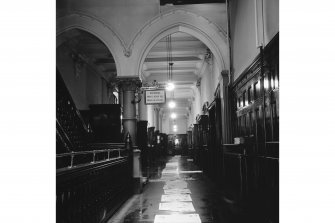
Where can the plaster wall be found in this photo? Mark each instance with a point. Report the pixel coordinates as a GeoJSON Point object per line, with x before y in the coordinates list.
{"type": "Point", "coordinates": [271, 19]}
{"type": "Point", "coordinates": [244, 43]}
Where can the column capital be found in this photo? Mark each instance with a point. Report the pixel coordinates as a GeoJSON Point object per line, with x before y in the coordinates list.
{"type": "Point", "coordinates": [157, 108]}
{"type": "Point", "coordinates": [128, 83]}
{"type": "Point", "coordinates": [225, 77]}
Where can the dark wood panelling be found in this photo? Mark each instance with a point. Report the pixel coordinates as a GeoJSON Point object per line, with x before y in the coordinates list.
{"type": "Point", "coordinates": [92, 193]}
{"type": "Point", "coordinates": [252, 168]}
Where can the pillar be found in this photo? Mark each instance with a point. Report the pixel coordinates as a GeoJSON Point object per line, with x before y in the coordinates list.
{"type": "Point", "coordinates": [160, 122]}
{"type": "Point", "coordinates": [156, 112]}
{"type": "Point", "coordinates": [225, 108]}
{"type": "Point", "coordinates": [143, 109]}
{"type": "Point", "coordinates": [150, 115]}
{"type": "Point", "coordinates": [128, 86]}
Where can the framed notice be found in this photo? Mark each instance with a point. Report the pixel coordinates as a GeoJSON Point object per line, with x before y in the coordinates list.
{"type": "Point", "coordinates": [154, 97]}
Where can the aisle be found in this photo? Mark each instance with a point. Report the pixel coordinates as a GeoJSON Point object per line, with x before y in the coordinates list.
{"type": "Point", "coordinates": [177, 193]}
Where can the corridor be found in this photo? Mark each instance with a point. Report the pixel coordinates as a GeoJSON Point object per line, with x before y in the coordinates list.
{"type": "Point", "coordinates": [177, 191]}
{"type": "Point", "coordinates": [167, 111]}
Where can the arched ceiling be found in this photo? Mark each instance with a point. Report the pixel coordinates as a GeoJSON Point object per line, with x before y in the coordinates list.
{"type": "Point", "coordinates": [188, 57]}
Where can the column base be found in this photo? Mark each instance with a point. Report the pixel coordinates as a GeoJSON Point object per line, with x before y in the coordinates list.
{"type": "Point", "coordinates": [137, 185]}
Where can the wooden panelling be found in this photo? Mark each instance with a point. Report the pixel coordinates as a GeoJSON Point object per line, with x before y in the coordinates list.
{"type": "Point", "coordinates": [251, 169]}
{"type": "Point", "coordinates": [92, 193]}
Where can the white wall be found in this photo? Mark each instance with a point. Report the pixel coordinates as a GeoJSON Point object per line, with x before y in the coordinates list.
{"type": "Point", "coordinates": [271, 19]}
{"type": "Point", "coordinates": [243, 30]}
{"type": "Point", "coordinates": [243, 35]}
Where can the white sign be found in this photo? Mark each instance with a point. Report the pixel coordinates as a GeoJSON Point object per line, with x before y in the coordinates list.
{"type": "Point", "coordinates": [155, 97]}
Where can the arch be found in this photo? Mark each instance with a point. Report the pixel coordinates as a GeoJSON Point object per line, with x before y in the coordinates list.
{"type": "Point", "coordinates": [95, 27]}
{"type": "Point", "coordinates": [193, 24]}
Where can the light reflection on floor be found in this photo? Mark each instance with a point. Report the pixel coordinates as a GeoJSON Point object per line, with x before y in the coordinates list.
{"type": "Point", "coordinates": [177, 197]}
{"type": "Point", "coordinates": [178, 218]}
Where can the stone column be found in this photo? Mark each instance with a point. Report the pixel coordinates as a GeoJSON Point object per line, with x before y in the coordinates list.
{"type": "Point", "coordinates": [225, 108]}
{"type": "Point", "coordinates": [160, 122]}
{"type": "Point", "coordinates": [128, 86]}
{"type": "Point", "coordinates": [150, 117]}
{"type": "Point", "coordinates": [156, 111]}
{"type": "Point", "coordinates": [143, 109]}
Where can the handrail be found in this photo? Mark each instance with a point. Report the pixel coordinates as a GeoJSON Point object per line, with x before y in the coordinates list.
{"type": "Point", "coordinates": [86, 152]}
{"type": "Point", "coordinates": [94, 153]}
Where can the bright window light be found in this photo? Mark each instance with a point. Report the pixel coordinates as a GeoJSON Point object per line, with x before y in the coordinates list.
{"type": "Point", "coordinates": [172, 104]}
{"type": "Point", "coordinates": [169, 86]}
{"type": "Point", "coordinates": [175, 126]}
{"type": "Point", "coordinates": [173, 115]}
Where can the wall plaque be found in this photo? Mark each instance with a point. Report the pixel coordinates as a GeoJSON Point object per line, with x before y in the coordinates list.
{"type": "Point", "coordinates": [154, 97]}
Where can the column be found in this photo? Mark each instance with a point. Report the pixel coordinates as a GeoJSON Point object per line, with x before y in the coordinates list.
{"type": "Point", "coordinates": [128, 86]}
{"type": "Point", "coordinates": [225, 108]}
{"type": "Point", "coordinates": [156, 112]}
{"type": "Point", "coordinates": [143, 109]}
{"type": "Point", "coordinates": [160, 122]}
{"type": "Point", "coordinates": [150, 115]}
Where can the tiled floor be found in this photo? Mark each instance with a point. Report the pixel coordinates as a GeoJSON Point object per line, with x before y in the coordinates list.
{"type": "Point", "coordinates": [177, 191]}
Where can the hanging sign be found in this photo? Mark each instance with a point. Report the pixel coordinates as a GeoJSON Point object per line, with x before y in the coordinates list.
{"type": "Point", "coordinates": [154, 97]}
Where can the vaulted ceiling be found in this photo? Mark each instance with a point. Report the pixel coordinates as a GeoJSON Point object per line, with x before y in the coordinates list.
{"type": "Point", "coordinates": [188, 54]}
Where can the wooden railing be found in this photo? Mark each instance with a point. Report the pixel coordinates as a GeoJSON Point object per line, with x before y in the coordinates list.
{"type": "Point", "coordinates": [92, 192]}
{"type": "Point", "coordinates": [93, 179]}
{"type": "Point", "coordinates": [77, 159]}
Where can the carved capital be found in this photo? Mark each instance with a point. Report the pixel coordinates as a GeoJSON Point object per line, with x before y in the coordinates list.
{"type": "Point", "coordinates": [198, 84]}
{"type": "Point", "coordinates": [225, 77]}
{"type": "Point", "coordinates": [157, 109]}
{"type": "Point", "coordinates": [129, 83]}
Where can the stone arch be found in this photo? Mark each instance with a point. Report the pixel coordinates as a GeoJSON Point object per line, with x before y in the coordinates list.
{"type": "Point", "coordinates": [169, 23]}
{"type": "Point", "coordinates": [94, 27]}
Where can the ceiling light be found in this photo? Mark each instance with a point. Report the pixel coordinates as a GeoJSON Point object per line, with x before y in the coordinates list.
{"type": "Point", "coordinates": [172, 104]}
{"type": "Point", "coordinates": [173, 115]}
{"type": "Point", "coordinates": [169, 86]}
